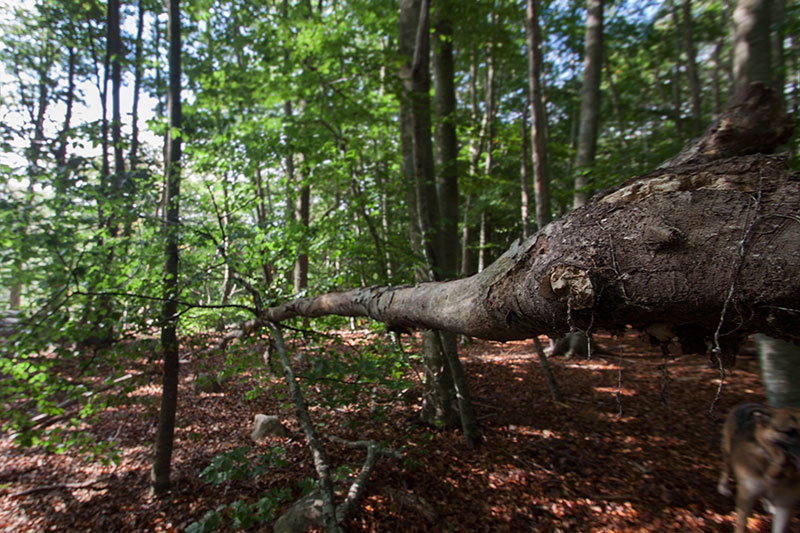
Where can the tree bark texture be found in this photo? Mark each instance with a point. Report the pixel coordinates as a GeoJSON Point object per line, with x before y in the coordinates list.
{"type": "Point", "coordinates": [663, 248]}
{"type": "Point", "coordinates": [590, 99]}
{"type": "Point", "coordinates": [672, 247]}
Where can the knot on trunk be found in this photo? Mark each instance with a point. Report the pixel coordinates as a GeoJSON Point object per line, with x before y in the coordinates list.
{"type": "Point", "coordinates": [569, 284]}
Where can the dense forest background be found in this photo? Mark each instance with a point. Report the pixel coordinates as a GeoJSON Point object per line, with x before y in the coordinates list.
{"type": "Point", "coordinates": [295, 176]}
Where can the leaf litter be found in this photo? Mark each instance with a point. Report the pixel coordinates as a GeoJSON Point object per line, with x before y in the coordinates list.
{"type": "Point", "coordinates": [581, 465]}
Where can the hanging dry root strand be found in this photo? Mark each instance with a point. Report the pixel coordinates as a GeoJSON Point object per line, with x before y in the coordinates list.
{"type": "Point", "coordinates": [717, 350]}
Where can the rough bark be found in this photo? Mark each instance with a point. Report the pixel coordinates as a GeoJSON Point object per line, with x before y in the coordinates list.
{"type": "Point", "coordinates": [672, 247]}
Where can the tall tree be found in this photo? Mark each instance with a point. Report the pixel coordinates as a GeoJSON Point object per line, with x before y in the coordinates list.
{"type": "Point", "coordinates": [590, 100]}
{"type": "Point", "coordinates": [160, 473]}
{"type": "Point", "coordinates": [447, 199]}
{"type": "Point", "coordinates": [114, 58]}
{"type": "Point", "coordinates": [133, 157]}
{"type": "Point", "coordinates": [677, 103]}
{"type": "Point", "coordinates": [541, 176]}
{"type": "Point", "coordinates": [439, 405]}
{"type": "Point", "coordinates": [751, 43]}
{"type": "Point", "coordinates": [691, 65]}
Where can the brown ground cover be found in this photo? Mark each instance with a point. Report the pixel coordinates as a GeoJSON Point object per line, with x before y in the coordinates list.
{"type": "Point", "coordinates": [632, 449]}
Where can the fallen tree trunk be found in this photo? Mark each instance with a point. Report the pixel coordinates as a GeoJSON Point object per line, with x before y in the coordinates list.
{"type": "Point", "coordinates": [671, 247]}
{"type": "Point", "coordinates": [708, 243]}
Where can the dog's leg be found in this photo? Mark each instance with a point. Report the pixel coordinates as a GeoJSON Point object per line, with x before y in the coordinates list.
{"type": "Point", "coordinates": [745, 501]}
{"type": "Point", "coordinates": [780, 518]}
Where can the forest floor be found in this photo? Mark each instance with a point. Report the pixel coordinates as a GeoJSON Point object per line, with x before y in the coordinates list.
{"type": "Point", "coordinates": [632, 448]}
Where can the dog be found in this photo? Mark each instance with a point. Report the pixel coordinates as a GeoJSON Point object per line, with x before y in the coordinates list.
{"type": "Point", "coordinates": [761, 450]}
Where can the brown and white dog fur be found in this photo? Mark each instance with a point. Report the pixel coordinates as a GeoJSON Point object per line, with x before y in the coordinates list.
{"type": "Point", "coordinates": [761, 450]}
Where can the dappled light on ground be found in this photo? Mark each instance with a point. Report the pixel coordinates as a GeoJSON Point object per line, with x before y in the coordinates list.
{"type": "Point", "coordinates": [632, 448]}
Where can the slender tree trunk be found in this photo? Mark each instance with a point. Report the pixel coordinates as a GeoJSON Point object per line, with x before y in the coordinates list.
{"type": "Point", "coordinates": [676, 71]}
{"type": "Point", "coordinates": [590, 100]}
{"type": "Point", "coordinates": [302, 215]}
{"type": "Point", "coordinates": [439, 403]}
{"type": "Point", "coordinates": [691, 67]}
{"type": "Point", "coordinates": [489, 136]}
{"type": "Point", "coordinates": [777, 54]}
{"type": "Point", "coordinates": [381, 177]}
{"type": "Point", "coordinates": [482, 240]}
{"type": "Point", "coordinates": [162, 460]}
{"type": "Point", "coordinates": [716, 73]}
{"type": "Point", "coordinates": [447, 197]}
{"type": "Point", "coordinates": [466, 257]}
{"type": "Point", "coordinates": [446, 143]}
{"type": "Point", "coordinates": [476, 145]}
{"type": "Point", "coordinates": [114, 57]}
{"type": "Point", "coordinates": [63, 136]}
{"type": "Point", "coordinates": [133, 157]}
{"type": "Point", "coordinates": [795, 46]}
{"type": "Point", "coordinates": [427, 203]}
{"type": "Point", "coordinates": [523, 172]}
{"type": "Point", "coordinates": [541, 175]}
{"type": "Point", "coordinates": [157, 31]}
{"type": "Point", "coordinates": [409, 12]}
{"type": "Point", "coordinates": [490, 108]}
{"type": "Point", "coordinates": [612, 91]}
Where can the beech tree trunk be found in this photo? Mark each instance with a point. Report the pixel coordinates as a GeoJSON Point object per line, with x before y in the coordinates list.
{"type": "Point", "coordinates": [715, 227]}
{"type": "Point", "coordinates": [160, 473]}
{"type": "Point", "coordinates": [751, 43]}
{"type": "Point", "coordinates": [676, 70]}
{"type": "Point", "coordinates": [691, 66]}
{"type": "Point", "coordinates": [447, 198]}
{"type": "Point", "coordinates": [439, 402]}
{"type": "Point", "coordinates": [114, 56]}
{"type": "Point", "coordinates": [541, 176]}
{"type": "Point", "coordinates": [590, 100]}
